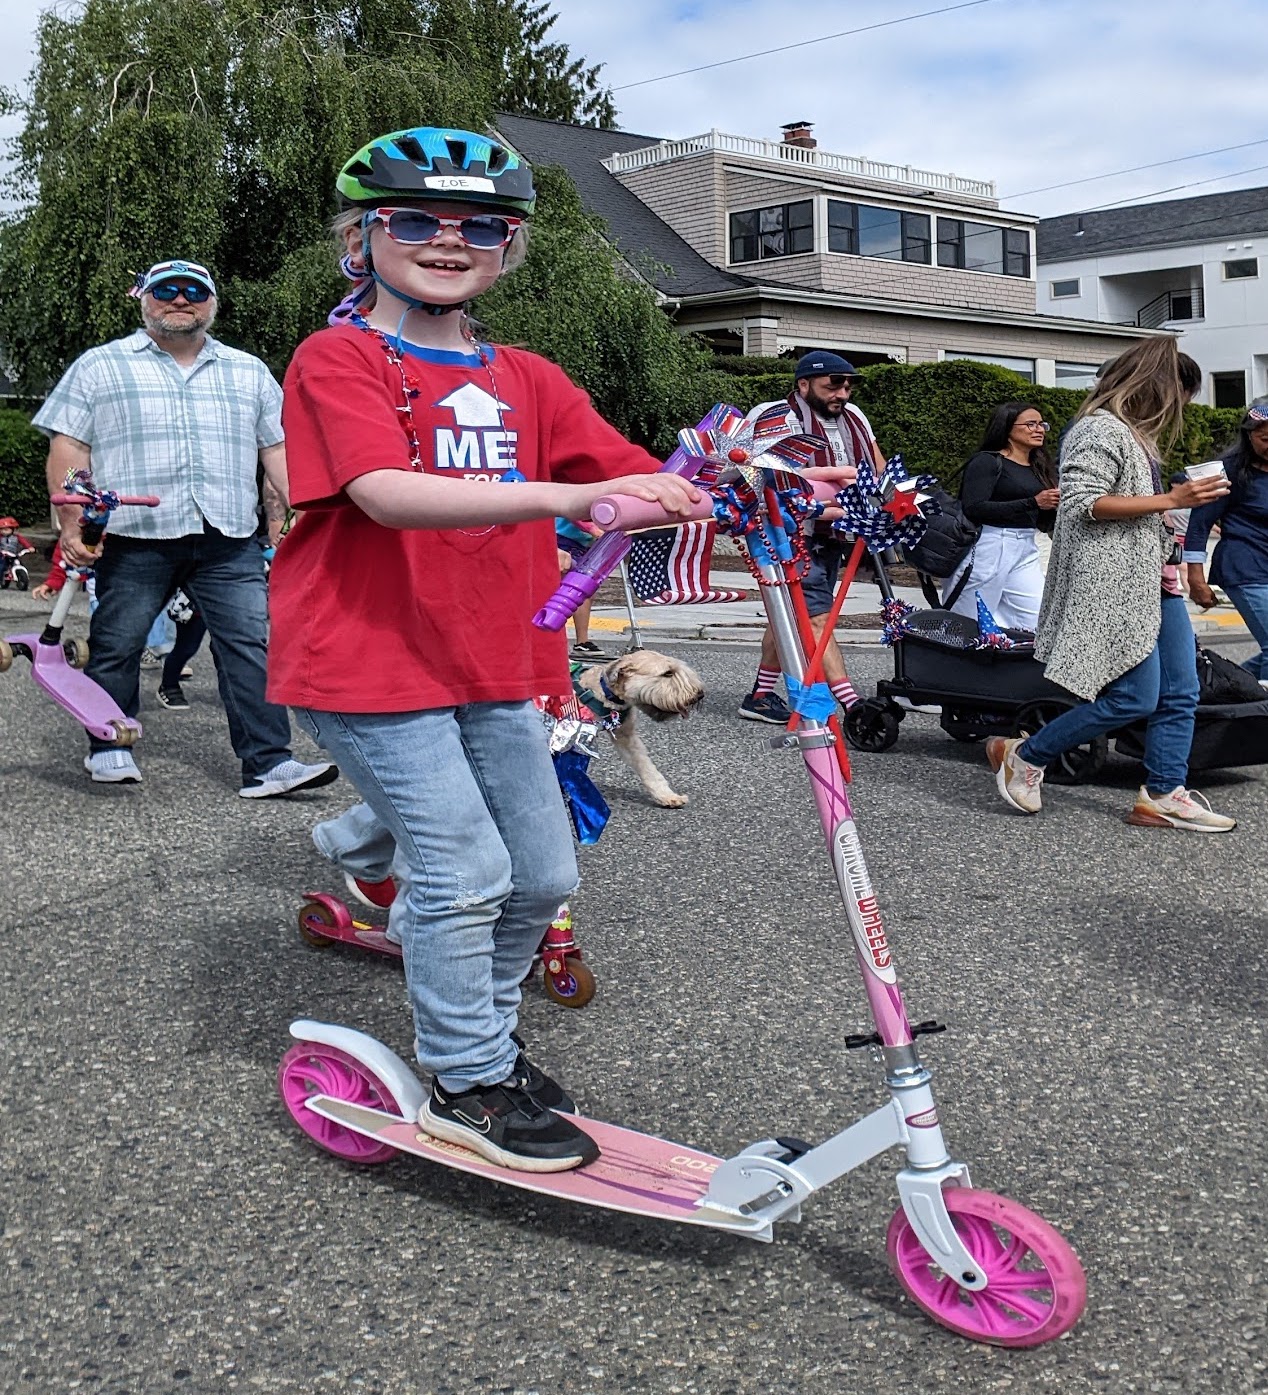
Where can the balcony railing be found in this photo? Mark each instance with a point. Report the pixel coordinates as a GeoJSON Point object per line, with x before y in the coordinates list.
{"type": "Point", "coordinates": [780, 152]}
{"type": "Point", "coordinates": [1171, 305]}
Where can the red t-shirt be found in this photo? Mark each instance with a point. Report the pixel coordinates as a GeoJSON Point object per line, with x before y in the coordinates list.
{"type": "Point", "coordinates": [372, 619]}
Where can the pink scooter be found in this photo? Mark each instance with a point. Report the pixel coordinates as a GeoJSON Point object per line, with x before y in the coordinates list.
{"type": "Point", "coordinates": [56, 662]}
{"type": "Point", "coordinates": [325, 920]}
{"type": "Point", "coordinates": [973, 1261]}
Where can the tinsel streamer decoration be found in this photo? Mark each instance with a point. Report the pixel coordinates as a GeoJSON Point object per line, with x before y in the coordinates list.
{"type": "Point", "coordinates": [989, 634]}
{"type": "Point", "coordinates": [586, 806]}
{"type": "Point", "coordinates": [894, 615]}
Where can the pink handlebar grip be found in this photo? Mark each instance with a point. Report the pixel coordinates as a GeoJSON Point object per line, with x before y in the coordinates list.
{"type": "Point", "coordinates": [626, 514]}
{"type": "Point", "coordinates": [147, 501]}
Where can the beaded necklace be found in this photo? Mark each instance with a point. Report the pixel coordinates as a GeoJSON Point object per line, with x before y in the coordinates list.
{"type": "Point", "coordinates": [410, 390]}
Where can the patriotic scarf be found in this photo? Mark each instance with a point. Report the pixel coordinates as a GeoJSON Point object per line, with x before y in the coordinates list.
{"type": "Point", "coordinates": [854, 438]}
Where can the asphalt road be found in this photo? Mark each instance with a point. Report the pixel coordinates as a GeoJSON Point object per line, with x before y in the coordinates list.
{"type": "Point", "coordinates": [167, 1229]}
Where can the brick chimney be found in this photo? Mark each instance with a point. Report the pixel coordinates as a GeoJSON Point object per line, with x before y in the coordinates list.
{"type": "Point", "coordinates": [798, 133]}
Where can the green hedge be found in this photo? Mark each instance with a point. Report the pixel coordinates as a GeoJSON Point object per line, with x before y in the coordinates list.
{"type": "Point", "coordinates": [935, 414]}
{"type": "Point", "coordinates": [23, 451]}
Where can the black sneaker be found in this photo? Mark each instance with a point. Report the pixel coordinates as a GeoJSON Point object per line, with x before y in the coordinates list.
{"type": "Point", "coordinates": [534, 1081]}
{"type": "Point", "coordinates": [770, 707]}
{"type": "Point", "coordinates": [504, 1124]}
{"type": "Point", "coordinates": [174, 698]}
{"type": "Point", "coordinates": [588, 650]}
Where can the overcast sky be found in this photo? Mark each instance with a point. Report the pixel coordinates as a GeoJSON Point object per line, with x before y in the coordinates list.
{"type": "Point", "coordinates": [1029, 93]}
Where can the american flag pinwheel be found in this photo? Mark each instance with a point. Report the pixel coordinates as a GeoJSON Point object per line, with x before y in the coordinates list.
{"type": "Point", "coordinates": [746, 449]}
{"type": "Point", "coordinates": [888, 509]}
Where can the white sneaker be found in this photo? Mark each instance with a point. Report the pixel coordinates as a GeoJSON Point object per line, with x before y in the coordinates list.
{"type": "Point", "coordinates": [113, 767]}
{"type": "Point", "coordinates": [151, 658]}
{"type": "Point", "coordinates": [1179, 809]}
{"type": "Point", "coordinates": [287, 777]}
{"type": "Point", "coordinates": [1017, 780]}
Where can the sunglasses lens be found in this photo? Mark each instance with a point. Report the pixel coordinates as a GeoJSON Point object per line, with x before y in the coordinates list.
{"type": "Point", "coordinates": [485, 230]}
{"type": "Point", "coordinates": [169, 290]}
{"type": "Point", "coordinates": [412, 225]}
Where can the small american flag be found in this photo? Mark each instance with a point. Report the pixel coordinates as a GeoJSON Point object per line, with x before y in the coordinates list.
{"type": "Point", "coordinates": [671, 566]}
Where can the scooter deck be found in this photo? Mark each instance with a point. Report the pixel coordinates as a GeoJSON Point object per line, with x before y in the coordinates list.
{"type": "Point", "coordinates": [636, 1173]}
{"type": "Point", "coordinates": [90, 705]}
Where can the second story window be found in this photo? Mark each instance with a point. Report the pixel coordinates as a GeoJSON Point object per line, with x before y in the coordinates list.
{"type": "Point", "coordinates": [783, 230]}
{"type": "Point", "coordinates": [868, 231]}
{"type": "Point", "coordinates": [983, 247]}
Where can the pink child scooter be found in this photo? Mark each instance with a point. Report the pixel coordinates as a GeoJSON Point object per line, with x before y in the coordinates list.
{"type": "Point", "coordinates": [55, 662]}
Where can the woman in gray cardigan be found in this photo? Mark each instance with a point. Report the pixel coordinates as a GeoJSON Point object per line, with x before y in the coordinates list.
{"type": "Point", "coordinates": [1113, 626]}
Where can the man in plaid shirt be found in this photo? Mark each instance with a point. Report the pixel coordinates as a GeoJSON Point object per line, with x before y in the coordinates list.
{"type": "Point", "coordinates": [171, 411]}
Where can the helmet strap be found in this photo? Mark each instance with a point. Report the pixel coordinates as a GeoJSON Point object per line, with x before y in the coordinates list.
{"type": "Point", "coordinates": [411, 302]}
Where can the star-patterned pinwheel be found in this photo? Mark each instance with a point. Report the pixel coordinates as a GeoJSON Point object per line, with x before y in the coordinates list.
{"type": "Point", "coordinates": [886, 510]}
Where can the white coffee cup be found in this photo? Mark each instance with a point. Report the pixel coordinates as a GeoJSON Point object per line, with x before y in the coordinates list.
{"type": "Point", "coordinates": [1205, 471]}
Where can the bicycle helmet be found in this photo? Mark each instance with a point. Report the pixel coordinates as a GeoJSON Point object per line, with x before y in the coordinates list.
{"type": "Point", "coordinates": [8, 522]}
{"type": "Point", "coordinates": [436, 162]}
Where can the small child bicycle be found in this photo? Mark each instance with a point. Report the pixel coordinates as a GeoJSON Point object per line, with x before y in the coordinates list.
{"type": "Point", "coordinates": [975, 1262]}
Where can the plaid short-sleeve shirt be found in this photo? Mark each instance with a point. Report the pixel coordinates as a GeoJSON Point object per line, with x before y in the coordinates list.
{"type": "Point", "coordinates": [193, 438]}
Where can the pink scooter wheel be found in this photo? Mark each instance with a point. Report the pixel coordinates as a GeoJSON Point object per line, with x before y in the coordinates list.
{"type": "Point", "coordinates": [310, 1068]}
{"type": "Point", "coordinates": [1035, 1290]}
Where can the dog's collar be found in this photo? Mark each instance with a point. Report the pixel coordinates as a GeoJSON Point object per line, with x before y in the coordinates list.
{"type": "Point", "coordinates": [606, 701]}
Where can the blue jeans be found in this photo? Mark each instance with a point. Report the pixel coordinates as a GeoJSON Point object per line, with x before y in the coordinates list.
{"type": "Point", "coordinates": [1162, 688]}
{"type": "Point", "coordinates": [484, 854]}
{"type": "Point", "coordinates": [1252, 606]}
{"type": "Point", "coordinates": [224, 577]}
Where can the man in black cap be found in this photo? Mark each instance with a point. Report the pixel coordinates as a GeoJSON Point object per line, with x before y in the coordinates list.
{"type": "Point", "coordinates": [820, 405]}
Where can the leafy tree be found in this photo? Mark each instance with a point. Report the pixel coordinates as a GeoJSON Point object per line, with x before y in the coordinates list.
{"type": "Point", "coordinates": [576, 303]}
{"type": "Point", "coordinates": [213, 129]}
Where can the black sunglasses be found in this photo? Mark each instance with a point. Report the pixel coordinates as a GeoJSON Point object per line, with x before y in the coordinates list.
{"type": "Point", "coordinates": [192, 291]}
{"type": "Point", "coordinates": [837, 380]}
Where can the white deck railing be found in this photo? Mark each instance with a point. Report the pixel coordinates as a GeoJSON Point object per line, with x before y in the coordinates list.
{"type": "Point", "coordinates": [779, 152]}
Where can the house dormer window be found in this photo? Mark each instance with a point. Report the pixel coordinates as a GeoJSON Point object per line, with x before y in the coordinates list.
{"type": "Point", "coordinates": [983, 247]}
{"type": "Point", "coordinates": [868, 231]}
{"type": "Point", "coordinates": [782, 230]}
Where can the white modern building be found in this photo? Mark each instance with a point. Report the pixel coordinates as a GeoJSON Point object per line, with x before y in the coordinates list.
{"type": "Point", "coordinates": [1196, 266]}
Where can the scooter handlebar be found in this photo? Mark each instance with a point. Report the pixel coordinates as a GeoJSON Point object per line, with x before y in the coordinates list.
{"type": "Point", "coordinates": [145, 501]}
{"type": "Point", "coordinates": [623, 513]}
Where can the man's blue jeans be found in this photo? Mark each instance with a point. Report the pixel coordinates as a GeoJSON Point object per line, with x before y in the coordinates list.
{"type": "Point", "coordinates": [1252, 606]}
{"type": "Point", "coordinates": [224, 577]}
{"type": "Point", "coordinates": [1162, 688]}
{"type": "Point", "coordinates": [485, 856]}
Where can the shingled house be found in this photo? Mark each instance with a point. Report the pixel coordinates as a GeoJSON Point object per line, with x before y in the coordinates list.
{"type": "Point", "coordinates": [774, 247]}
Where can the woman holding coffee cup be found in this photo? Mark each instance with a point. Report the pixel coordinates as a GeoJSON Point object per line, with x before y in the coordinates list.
{"type": "Point", "coordinates": [1113, 628]}
{"type": "Point", "coordinates": [1240, 565]}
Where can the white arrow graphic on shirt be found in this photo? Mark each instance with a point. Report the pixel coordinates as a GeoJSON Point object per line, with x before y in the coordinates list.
{"type": "Point", "coordinates": [472, 406]}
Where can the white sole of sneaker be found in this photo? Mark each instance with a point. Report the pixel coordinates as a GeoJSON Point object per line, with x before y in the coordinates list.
{"type": "Point", "coordinates": [486, 1148]}
{"type": "Point", "coordinates": [1147, 819]}
{"type": "Point", "coordinates": [112, 777]}
{"type": "Point", "coordinates": [1001, 784]}
{"type": "Point", "coordinates": [273, 789]}
{"type": "Point", "coordinates": [757, 717]}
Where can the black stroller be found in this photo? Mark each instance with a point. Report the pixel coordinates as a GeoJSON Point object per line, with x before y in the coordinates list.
{"type": "Point", "coordinates": [1004, 692]}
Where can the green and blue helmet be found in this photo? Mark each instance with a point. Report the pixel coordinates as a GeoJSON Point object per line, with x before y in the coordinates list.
{"type": "Point", "coordinates": [437, 162]}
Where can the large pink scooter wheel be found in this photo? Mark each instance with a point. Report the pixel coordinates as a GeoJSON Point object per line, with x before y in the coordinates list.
{"type": "Point", "coordinates": [311, 1068]}
{"type": "Point", "coordinates": [1035, 1288]}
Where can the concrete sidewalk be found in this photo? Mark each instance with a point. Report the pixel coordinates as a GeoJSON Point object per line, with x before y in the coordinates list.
{"type": "Point", "coordinates": [742, 622]}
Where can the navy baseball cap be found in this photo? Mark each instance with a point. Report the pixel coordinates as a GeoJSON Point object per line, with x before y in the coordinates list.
{"type": "Point", "coordinates": [820, 362]}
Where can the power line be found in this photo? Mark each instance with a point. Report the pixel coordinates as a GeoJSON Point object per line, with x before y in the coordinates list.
{"type": "Point", "coordinates": [1134, 169]}
{"type": "Point", "coordinates": [1174, 188]}
{"type": "Point", "coordinates": [804, 43]}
